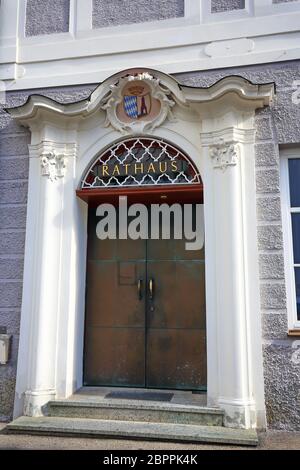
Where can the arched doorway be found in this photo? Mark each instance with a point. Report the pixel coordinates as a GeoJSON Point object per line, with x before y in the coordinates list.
{"type": "Point", "coordinates": [145, 297]}
{"type": "Point", "coordinates": [216, 126]}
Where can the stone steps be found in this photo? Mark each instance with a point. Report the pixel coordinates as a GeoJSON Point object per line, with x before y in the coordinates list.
{"type": "Point", "coordinates": [53, 425]}
{"type": "Point", "coordinates": [138, 411]}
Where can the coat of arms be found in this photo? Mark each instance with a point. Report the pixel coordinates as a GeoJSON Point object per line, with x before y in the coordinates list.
{"type": "Point", "coordinates": [137, 101]}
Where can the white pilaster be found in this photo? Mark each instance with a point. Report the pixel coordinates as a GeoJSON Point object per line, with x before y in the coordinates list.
{"type": "Point", "coordinates": [230, 219]}
{"type": "Point", "coordinates": [42, 291]}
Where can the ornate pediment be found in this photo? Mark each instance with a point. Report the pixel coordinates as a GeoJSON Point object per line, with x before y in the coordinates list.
{"type": "Point", "coordinates": [137, 101]}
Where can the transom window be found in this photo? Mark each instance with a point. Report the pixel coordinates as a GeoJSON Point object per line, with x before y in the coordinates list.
{"type": "Point", "coordinates": [138, 162]}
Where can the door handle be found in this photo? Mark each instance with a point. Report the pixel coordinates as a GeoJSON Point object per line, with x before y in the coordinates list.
{"type": "Point", "coordinates": [139, 287]}
{"type": "Point", "coordinates": [151, 289]}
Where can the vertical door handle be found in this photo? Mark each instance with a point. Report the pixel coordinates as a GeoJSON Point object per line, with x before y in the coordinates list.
{"type": "Point", "coordinates": [139, 286]}
{"type": "Point", "coordinates": [151, 289]}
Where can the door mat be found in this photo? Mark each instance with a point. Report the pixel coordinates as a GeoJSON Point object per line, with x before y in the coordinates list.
{"type": "Point", "coordinates": [151, 396]}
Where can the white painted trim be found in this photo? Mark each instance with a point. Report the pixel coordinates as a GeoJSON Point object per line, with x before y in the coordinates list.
{"type": "Point", "coordinates": [192, 9]}
{"type": "Point", "coordinates": [293, 323]}
{"type": "Point", "coordinates": [9, 10]}
{"type": "Point", "coordinates": [241, 13]}
{"type": "Point", "coordinates": [22, 20]}
{"type": "Point", "coordinates": [267, 7]}
{"type": "Point", "coordinates": [143, 38]}
{"type": "Point", "coordinates": [83, 15]}
{"type": "Point", "coordinates": [194, 42]}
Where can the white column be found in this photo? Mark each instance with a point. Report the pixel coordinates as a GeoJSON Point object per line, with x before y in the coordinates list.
{"type": "Point", "coordinates": [231, 381]}
{"type": "Point", "coordinates": [42, 289]}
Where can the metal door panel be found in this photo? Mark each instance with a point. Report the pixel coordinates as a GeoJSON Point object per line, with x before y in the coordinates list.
{"type": "Point", "coordinates": [115, 311]}
{"type": "Point", "coordinates": [110, 249]}
{"type": "Point", "coordinates": [161, 249]}
{"type": "Point", "coordinates": [182, 253]}
{"type": "Point", "coordinates": [175, 323]}
{"type": "Point", "coordinates": [115, 356]}
{"type": "Point", "coordinates": [176, 358]}
{"type": "Point", "coordinates": [112, 299]}
{"type": "Point", "coordinates": [179, 294]}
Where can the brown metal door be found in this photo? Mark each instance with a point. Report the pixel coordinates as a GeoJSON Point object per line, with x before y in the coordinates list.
{"type": "Point", "coordinates": [176, 334]}
{"type": "Point", "coordinates": [115, 311]}
{"type": "Point", "coordinates": [144, 339]}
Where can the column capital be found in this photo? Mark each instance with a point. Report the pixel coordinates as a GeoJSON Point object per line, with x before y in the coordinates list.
{"type": "Point", "coordinates": [224, 144]}
{"type": "Point", "coordinates": [224, 154]}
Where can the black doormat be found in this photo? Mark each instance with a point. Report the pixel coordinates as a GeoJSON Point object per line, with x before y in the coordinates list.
{"type": "Point", "coordinates": [151, 396]}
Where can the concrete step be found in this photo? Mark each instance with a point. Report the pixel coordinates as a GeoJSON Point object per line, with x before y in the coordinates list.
{"type": "Point", "coordinates": [132, 430]}
{"type": "Point", "coordinates": [142, 411]}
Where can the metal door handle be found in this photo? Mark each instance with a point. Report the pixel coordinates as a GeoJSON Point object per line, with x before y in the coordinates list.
{"type": "Point", "coordinates": [151, 289]}
{"type": "Point", "coordinates": [139, 286]}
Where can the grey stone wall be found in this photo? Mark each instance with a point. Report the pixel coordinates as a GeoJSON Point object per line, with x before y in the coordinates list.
{"type": "Point", "coordinates": [13, 194]}
{"type": "Point", "coordinates": [47, 17]}
{"type": "Point", "coordinates": [218, 6]}
{"type": "Point", "coordinates": [279, 124]}
{"type": "Point", "coordinates": [14, 141]}
{"type": "Point", "coordinates": [117, 12]}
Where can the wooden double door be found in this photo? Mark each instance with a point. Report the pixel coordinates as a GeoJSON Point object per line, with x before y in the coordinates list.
{"type": "Point", "coordinates": [145, 313]}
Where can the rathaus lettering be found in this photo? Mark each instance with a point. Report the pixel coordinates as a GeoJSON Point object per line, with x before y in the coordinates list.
{"type": "Point", "coordinates": [139, 168]}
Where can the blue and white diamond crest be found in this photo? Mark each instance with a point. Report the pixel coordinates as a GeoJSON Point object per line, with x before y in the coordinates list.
{"type": "Point", "coordinates": [131, 106]}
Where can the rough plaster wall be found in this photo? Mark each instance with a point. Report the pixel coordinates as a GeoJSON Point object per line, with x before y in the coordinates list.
{"type": "Point", "coordinates": [14, 141]}
{"type": "Point", "coordinates": [218, 6]}
{"type": "Point", "coordinates": [117, 12]}
{"type": "Point", "coordinates": [47, 17]}
{"type": "Point", "coordinates": [279, 124]}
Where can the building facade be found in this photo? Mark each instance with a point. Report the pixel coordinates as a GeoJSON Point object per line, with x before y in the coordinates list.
{"type": "Point", "coordinates": [215, 84]}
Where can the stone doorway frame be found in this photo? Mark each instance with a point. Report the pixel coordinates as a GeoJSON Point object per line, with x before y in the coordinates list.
{"type": "Point", "coordinates": [215, 127]}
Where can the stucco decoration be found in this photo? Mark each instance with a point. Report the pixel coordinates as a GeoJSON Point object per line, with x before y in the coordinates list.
{"type": "Point", "coordinates": [161, 108]}
{"type": "Point", "coordinates": [224, 154]}
{"type": "Point", "coordinates": [53, 165]}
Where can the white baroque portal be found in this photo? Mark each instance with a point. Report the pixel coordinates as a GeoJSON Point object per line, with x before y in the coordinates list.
{"type": "Point", "coordinates": [215, 127]}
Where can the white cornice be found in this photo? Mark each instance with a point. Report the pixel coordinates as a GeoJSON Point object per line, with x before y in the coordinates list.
{"type": "Point", "coordinates": [68, 149]}
{"type": "Point", "coordinates": [228, 135]}
{"type": "Point", "coordinates": [254, 95]}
